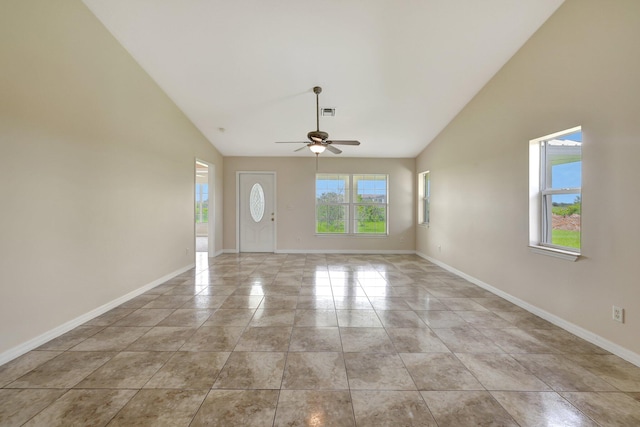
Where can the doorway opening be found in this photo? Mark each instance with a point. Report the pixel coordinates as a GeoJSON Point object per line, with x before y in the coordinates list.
{"type": "Point", "coordinates": [204, 209]}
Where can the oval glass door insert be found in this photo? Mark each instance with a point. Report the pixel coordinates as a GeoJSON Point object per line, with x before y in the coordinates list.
{"type": "Point", "coordinates": [256, 202]}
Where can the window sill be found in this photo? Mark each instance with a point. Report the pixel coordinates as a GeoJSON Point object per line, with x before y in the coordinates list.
{"type": "Point", "coordinates": [553, 252]}
{"type": "Point", "coordinates": [423, 224]}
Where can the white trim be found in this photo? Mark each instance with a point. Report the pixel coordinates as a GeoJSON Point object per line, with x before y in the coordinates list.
{"type": "Point", "coordinates": [556, 134]}
{"type": "Point", "coordinates": [237, 248]}
{"type": "Point", "coordinates": [36, 342]}
{"type": "Point", "coordinates": [347, 251]}
{"type": "Point", "coordinates": [275, 210]}
{"type": "Point", "coordinates": [211, 232]}
{"type": "Point", "coordinates": [585, 334]}
{"type": "Point", "coordinates": [535, 202]}
{"type": "Point", "coordinates": [218, 253]}
{"type": "Point", "coordinates": [553, 252]}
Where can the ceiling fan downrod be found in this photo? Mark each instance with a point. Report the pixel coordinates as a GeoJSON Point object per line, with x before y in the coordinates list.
{"type": "Point", "coordinates": [317, 90]}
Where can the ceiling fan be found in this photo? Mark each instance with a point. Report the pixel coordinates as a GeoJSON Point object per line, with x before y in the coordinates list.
{"type": "Point", "coordinates": [319, 140]}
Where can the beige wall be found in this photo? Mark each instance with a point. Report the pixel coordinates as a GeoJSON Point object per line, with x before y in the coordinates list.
{"type": "Point", "coordinates": [96, 171]}
{"type": "Point", "coordinates": [295, 182]}
{"type": "Point", "coordinates": [580, 68]}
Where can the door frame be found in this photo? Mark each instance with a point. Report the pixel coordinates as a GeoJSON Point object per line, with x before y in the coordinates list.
{"type": "Point", "coordinates": [275, 210]}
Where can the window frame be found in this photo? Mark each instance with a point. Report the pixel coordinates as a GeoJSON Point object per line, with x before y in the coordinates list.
{"type": "Point", "coordinates": [541, 194]}
{"type": "Point", "coordinates": [351, 219]}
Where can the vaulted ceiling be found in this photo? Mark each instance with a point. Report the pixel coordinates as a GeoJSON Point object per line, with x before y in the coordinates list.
{"type": "Point", "coordinates": [397, 72]}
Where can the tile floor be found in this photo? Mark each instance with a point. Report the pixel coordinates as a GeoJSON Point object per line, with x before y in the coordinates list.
{"type": "Point", "coordinates": [287, 340]}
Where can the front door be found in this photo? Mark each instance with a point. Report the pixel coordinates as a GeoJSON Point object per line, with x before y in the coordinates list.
{"type": "Point", "coordinates": [256, 209]}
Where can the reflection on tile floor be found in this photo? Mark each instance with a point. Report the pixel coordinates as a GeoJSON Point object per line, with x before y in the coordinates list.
{"type": "Point", "coordinates": [284, 340]}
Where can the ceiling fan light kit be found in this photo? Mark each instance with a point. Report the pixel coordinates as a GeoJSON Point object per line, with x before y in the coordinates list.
{"type": "Point", "coordinates": [319, 139]}
{"type": "Point", "coordinates": [317, 148]}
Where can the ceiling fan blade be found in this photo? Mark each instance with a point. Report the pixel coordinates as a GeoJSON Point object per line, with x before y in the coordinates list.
{"type": "Point", "coordinates": [301, 148]}
{"type": "Point", "coordinates": [292, 142]}
{"type": "Point", "coordinates": [333, 149]}
{"type": "Point", "coordinates": [344, 142]}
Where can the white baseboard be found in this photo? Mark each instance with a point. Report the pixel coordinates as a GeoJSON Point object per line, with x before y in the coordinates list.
{"type": "Point", "coordinates": [334, 251]}
{"type": "Point", "coordinates": [330, 251]}
{"type": "Point", "coordinates": [585, 334]}
{"type": "Point", "coordinates": [347, 251]}
{"type": "Point", "coordinates": [36, 342]}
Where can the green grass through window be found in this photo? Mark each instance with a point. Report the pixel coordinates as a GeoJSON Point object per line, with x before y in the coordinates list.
{"type": "Point", "coordinates": [366, 227]}
{"type": "Point", "coordinates": [372, 227]}
{"type": "Point", "coordinates": [566, 238]}
{"type": "Point", "coordinates": [324, 227]}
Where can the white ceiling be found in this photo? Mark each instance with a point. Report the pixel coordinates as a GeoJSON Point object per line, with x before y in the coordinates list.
{"type": "Point", "coordinates": [397, 72]}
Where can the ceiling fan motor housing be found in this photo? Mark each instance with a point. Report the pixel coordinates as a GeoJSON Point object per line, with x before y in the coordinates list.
{"type": "Point", "coordinates": [317, 136]}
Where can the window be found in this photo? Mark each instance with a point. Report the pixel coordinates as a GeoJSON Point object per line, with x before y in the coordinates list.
{"type": "Point", "coordinates": [202, 203]}
{"type": "Point", "coordinates": [556, 190]}
{"type": "Point", "coordinates": [370, 204]}
{"type": "Point", "coordinates": [339, 210]}
{"type": "Point", "coordinates": [332, 203]}
{"type": "Point", "coordinates": [424, 196]}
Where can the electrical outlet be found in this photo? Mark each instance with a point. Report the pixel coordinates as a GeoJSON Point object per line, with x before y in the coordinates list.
{"type": "Point", "coordinates": [618, 314]}
{"type": "Point", "coordinates": [186, 251]}
{"type": "Point", "coordinates": [439, 248]}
